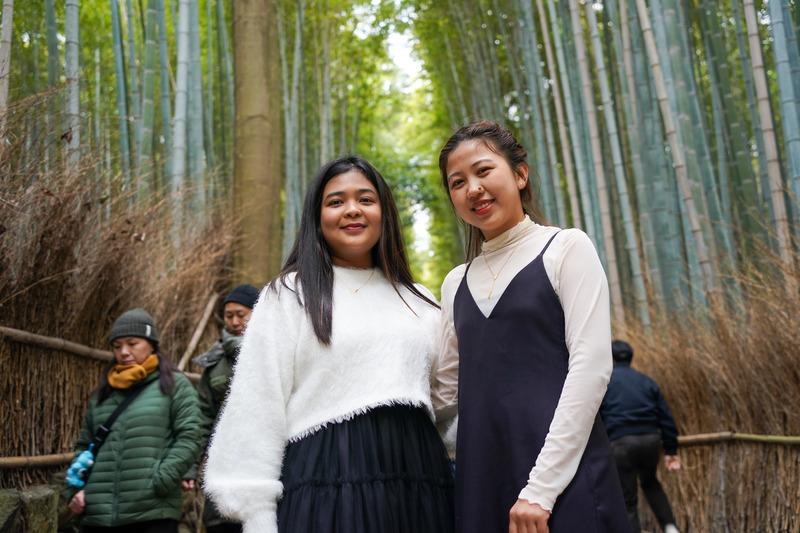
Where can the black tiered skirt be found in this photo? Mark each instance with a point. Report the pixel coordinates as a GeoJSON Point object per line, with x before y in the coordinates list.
{"type": "Point", "coordinates": [385, 471]}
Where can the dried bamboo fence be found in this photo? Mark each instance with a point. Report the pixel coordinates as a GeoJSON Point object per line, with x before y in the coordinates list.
{"type": "Point", "coordinates": [76, 250]}
{"type": "Point", "coordinates": [62, 404]}
{"type": "Point", "coordinates": [733, 486]}
{"type": "Point", "coordinates": [737, 367]}
{"type": "Point", "coordinates": [54, 344]}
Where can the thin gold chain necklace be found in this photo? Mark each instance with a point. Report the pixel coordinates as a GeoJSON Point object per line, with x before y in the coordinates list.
{"type": "Point", "coordinates": [491, 272]}
{"type": "Point", "coordinates": [355, 291]}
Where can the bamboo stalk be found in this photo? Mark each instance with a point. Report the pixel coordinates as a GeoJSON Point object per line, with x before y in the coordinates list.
{"type": "Point", "coordinates": [532, 64]}
{"type": "Point", "coordinates": [612, 134]}
{"type": "Point", "coordinates": [97, 96]}
{"type": "Point", "coordinates": [146, 122]}
{"type": "Point", "coordinates": [758, 201]}
{"type": "Point", "coordinates": [729, 436]}
{"type": "Point", "coordinates": [198, 331]}
{"type": "Point", "coordinates": [208, 114]}
{"type": "Point", "coordinates": [227, 68]}
{"type": "Point", "coordinates": [612, 268]}
{"type": "Point", "coordinates": [196, 157]}
{"type": "Point", "coordinates": [463, 118]}
{"type": "Point", "coordinates": [5, 59]}
{"type": "Point", "coordinates": [122, 96]}
{"type": "Point", "coordinates": [776, 185]}
{"type": "Point", "coordinates": [34, 461]}
{"type": "Point", "coordinates": [679, 163]}
{"type": "Point", "coordinates": [166, 105]}
{"type": "Point", "coordinates": [624, 51]}
{"type": "Point", "coordinates": [132, 77]}
{"type": "Point", "coordinates": [72, 52]}
{"type": "Point", "coordinates": [582, 190]}
{"type": "Point", "coordinates": [178, 170]}
{"type": "Point", "coordinates": [56, 343]}
{"type": "Point", "coordinates": [563, 135]}
{"type": "Point", "coordinates": [291, 120]}
{"type": "Point", "coordinates": [785, 50]}
{"type": "Point", "coordinates": [51, 117]}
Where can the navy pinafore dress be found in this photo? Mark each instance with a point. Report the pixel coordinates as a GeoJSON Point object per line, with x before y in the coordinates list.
{"type": "Point", "coordinates": [512, 367]}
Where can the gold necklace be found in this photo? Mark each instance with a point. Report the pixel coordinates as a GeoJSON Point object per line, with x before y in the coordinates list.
{"type": "Point", "coordinates": [491, 272]}
{"type": "Point", "coordinates": [355, 291]}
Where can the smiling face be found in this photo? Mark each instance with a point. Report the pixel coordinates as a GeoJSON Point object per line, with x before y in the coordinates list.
{"type": "Point", "coordinates": [484, 189]}
{"type": "Point", "coordinates": [131, 350]}
{"type": "Point", "coordinates": [350, 219]}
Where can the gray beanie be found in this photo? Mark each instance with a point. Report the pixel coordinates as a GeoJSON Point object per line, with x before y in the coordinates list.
{"type": "Point", "coordinates": [134, 323]}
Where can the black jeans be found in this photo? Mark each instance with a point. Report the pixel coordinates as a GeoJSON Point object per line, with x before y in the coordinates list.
{"type": "Point", "coordinates": [637, 456]}
{"type": "Point", "coordinates": [151, 526]}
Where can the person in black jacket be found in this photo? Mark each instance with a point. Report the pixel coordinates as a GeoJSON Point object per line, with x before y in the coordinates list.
{"type": "Point", "coordinates": [639, 424]}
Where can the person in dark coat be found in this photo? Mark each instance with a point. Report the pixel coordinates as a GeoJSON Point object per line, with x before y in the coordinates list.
{"type": "Point", "coordinates": [217, 365]}
{"type": "Point", "coordinates": [134, 485]}
{"type": "Point", "coordinates": [639, 425]}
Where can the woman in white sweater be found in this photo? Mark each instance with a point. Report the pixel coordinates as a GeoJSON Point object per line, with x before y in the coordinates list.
{"type": "Point", "coordinates": [328, 424]}
{"type": "Point", "coordinates": [525, 354]}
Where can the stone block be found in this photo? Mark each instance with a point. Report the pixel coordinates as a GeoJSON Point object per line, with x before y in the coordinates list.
{"type": "Point", "coordinates": [40, 509]}
{"type": "Point", "coordinates": [10, 511]}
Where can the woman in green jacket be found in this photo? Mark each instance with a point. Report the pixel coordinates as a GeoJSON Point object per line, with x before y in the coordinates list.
{"type": "Point", "coordinates": [135, 483]}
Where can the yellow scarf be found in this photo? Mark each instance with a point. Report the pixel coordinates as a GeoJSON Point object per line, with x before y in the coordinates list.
{"type": "Point", "coordinates": [123, 376]}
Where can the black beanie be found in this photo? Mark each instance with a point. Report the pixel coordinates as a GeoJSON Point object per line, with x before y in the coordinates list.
{"type": "Point", "coordinates": [246, 295]}
{"type": "Point", "coordinates": [621, 351]}
{"type": "Point", "coordinates": [134, 323]}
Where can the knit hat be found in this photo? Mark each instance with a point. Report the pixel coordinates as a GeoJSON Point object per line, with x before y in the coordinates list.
{"type": "Point", "coordinates": [134, 323]}
{"type": "Point", "coordinates": [246, 295]}
{"type": "Point", "coordinates": [621, 351]}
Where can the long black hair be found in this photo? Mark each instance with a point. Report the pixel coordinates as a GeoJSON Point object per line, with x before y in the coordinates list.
{"type": "Point", "coordinates": [166, 378]}
{"type": "Point", "coordinates": [501, 141]}
{"type": "Point", "coordinates": [310, 258]}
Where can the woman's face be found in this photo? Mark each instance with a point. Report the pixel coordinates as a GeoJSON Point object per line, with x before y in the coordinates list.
{"type": "Point", "coordinates": [350, 219]}
{"type": "Point", "coordinates": [236, 316]}
{"type": "Point", "coordinates": [131, 350]}
{"type": "Point", "coordinates": [484, 189]}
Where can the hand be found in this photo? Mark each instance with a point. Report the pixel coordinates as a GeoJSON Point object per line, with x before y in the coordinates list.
{"type": "Point", "coordinates": [527, 517]}
{"type": "Point", "coordinates": [672, 463]}
{"type": "Point", "coordinates": [78, 503]}
{"type": "Point", "coordinates": [187, 485]}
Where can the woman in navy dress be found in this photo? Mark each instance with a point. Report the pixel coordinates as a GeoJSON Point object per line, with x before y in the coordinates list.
{"type": "Point", "coordinates": [525, 354]}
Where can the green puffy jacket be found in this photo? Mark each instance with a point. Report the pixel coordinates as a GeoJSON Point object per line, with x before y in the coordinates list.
{"type": "Point", "coordinates": [137, 472]}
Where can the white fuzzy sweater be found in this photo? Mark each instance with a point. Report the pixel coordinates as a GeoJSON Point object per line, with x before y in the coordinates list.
{"type": "Point", "coordinates": [286, 385]}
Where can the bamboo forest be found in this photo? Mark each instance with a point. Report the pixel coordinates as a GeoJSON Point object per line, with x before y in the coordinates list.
{"type": "Point", "coordinates": [157, 153]}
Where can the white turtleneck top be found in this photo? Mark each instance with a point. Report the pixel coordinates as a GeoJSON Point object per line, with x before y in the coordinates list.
{"type": "Point", "coordinates": [287, 385]}
{"type": "Point", "coordinates": [574, 269]}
